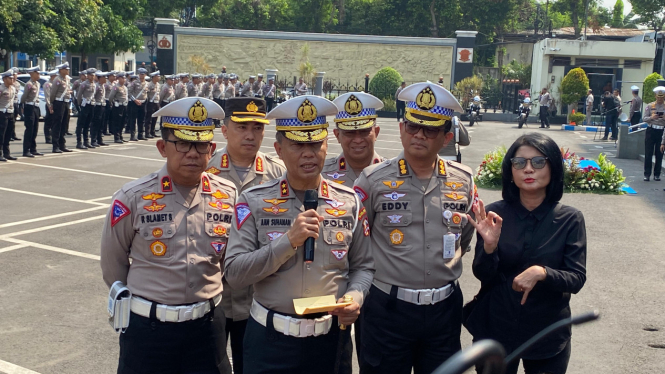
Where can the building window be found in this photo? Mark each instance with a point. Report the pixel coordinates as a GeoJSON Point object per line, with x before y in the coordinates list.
{"type": "Point", "coordinates": [632, 64]}
{"type": "Point", "coordinates": [596, 62]}
{"type": "Point", "coordinates": [560, 61]}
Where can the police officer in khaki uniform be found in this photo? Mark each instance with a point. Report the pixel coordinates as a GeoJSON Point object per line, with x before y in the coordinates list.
{"type": "Point", "coordinates": [84, 97]}
{"type": "Point", "coordinates": [229, 87]}
{"type": "Point", "coordinates": [98, 113]}
{"type": "Point", "coordinates": [118, 101]}
{"type": "Point", "coordinates": [31, 114]}
{"type": "Point", "coordinates": [242, 163]}
{"type": "Point", "coordinates": [194, 87]}
{"type": "Point", "coordinates": [48, 116]}
{"type": "Point", "coordinates": [167, 95]}
{"type": "Point", "coordinates": [417, 205]}
{"type": "Point", "coordinates": [654, 116]}
{"type": "Point", "coordinates": [7, 115]}
{"type": "Point", "coordinates": [137, 92]}
{"type": "Point", "coordinates": [206, 87]}
{"type": "Point", "coordinates": [61, 95]}
{"type": "Point", "coordinates": [152, 104]}
{"type": "Point", "coordinates": [356, 132]}
{"type": "Point", "coordinates": [266, 249]}
{"type": "Point", "coordinates": [248, 87]}
{"type": "Point", "coordinates": [181, 87]}
{"type": "Point", "coordinates": [257, 86]}
{"type": "Point", "coordinates": [18, 109]}
{"type": "Point", "coordinates": [218, 93]}
{"type": "Point", "coordinates": [173, 225]}
{"type": "Point", "coordinates": [108, 86]}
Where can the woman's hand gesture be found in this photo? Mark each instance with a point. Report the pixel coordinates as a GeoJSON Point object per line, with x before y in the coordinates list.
{"type": "Point", "coordinates": [488, 226]}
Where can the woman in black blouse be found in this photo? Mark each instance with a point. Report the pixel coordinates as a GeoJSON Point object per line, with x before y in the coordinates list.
{"type": "Point", "coordinates": [531, 266]}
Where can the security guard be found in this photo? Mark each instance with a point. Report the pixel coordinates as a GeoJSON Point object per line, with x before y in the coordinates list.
{"type": "Point", "coordinates": [266, 249]}
{"type": "Point", "coordinates": [84, 96]}
{"type": "Point", "coordinates": [118, 101]}
{"type": "Point", "coordinates": [99, 109]}
{"type": "Point", "coordinates": [173, 225]}
{"type": "Point", "coordinates": [138, 92]}
{"type": "Point", "coordinates": [257, 86]}
{"type": "Point", "coordinates": [61, 95]}
{"type": "Point", "coordinates": [152, 104]}
{"type": "Point", "coordinates": [7, 115]}
{"type": "Point", "coordinates": [416, 204]}
{"type": "Point", "coordinates": [108, 86]}
{"type": "Point", "coordinates": [31, 113]}
{"type": "Point", "coordinates": [356, 132]}
{"type": "Point", "coordinates": [654, 116]}
{"type": "Point", "coordinates": [48, 116]}
{"type": "Point", "coordinates": [242, 163]}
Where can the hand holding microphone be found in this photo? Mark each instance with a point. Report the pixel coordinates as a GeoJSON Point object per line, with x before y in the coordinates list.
{"type": "Point", "coordinates": [306, 225]}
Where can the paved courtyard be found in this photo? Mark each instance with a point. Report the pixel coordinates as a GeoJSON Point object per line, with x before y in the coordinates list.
{"type": "Point", "coordinates": [53, 300]}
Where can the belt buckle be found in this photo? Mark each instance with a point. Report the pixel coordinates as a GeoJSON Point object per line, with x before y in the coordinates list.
{"type": "Point", "coordinates": [307, 327]}
{"type": "Point", "coordinates": [425, 297]}
{"type": "Point", "coordinates": [184, 313]}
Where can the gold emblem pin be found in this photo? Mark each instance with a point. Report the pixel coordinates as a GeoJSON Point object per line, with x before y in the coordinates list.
{"type": "Point", "coordinates": [251, 107]}
{"type": "Point", "coordinates": [426, 99]}
{"type": "Point", "coordinates": [353, 106]}
{"type": "Point", "coordinates": [306, 112]}
{"type": "Point", "coordinates": [198, 113]}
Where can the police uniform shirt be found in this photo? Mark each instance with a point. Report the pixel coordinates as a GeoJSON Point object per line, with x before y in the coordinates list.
{"type": "Point", "coordinates": [408, 222]}
{"type": "Point", "coordinates": [30, 93]}
{"type": "Point", "coordinates": [257, 87]}
{"type": "Point", "coordinates": [85, 93]}
{"type": "Point", "coordinates": [138, 90]}
{"type": "Point", "coordinates": [261, 254]}
{"type": "Point", "coordinates": [108, 86]}
{"type": "Point", "coordinates": [167, 94]}
{"type": "Point", "coordinates": [268, 91]}
{"type": "Point", "coordinates": [180, 91]}
{"type": "Point", "coordinates": [7, 94]}
{"type": "Point", "coordinates": [230, 91]}
{"type": "Point", "coordinates": [176, 247]}
{"type": "Point", "coordinates": [236, 302]}
{"type": "Point", "coordinates": [75, 86]}
{"type": "Point", "coordinates": [337, 170]}
{"type": "Point", "coordinates": [653, 108]}
{"type": "Point", "coordinates": [192, 89]}
{"type": "Point", "coordinates": [118, 95]}
{"type": "Point", "coordinates": [238, 87]}
{"type": "Point", "coordinates": [153, 92]}
{"type": "Point", "coordinates": [206, 90]}
{"type": "Point", "coordinates": [247, 90]}
{"type": "Point", "coordinates": [217, 90]}
{"type": "Point", "coordinates": [60, 89]}
{"type": "Point", "coordinates": [100, 93]}
{"type": "Point", "coordinates": [17, 86]}
{"type": "Point", "coordinates": [635, 106]}
{"type": "Point", "coordinates": [47, 93]}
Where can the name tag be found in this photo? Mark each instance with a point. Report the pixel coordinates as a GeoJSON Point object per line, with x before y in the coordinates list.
{"type": "Point", "coordinates": [448, 246]}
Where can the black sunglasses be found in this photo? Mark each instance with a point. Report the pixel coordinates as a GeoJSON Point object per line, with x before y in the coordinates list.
{"type": "Point", "coordinates": [363, 133]}
{"type": "Point", "coordinates": [537, 162]}
{"type": "Point", "coordinates": [184, 147]}
{"type": "Point", "coordinates": [429, 132]}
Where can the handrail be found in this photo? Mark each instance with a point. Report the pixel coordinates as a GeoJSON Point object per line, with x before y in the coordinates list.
{"type": "Point", "coordinates": [634, 129]}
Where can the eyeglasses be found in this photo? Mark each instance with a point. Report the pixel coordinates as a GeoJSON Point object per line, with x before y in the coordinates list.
{"type": "Point", "coordinates": [185, 147]}
{"type": "Point", "coordinates": [353, 133]}
{"type": "Point", "coordinates": [537, 162]}
{"type": "Point", "coordinates": [429, 132]}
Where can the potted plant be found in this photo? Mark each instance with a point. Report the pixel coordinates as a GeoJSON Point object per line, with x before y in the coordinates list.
{"type": "Point", "coordinates": [574, 86]}
{"type": "Point", "coordinates": [576, 118]}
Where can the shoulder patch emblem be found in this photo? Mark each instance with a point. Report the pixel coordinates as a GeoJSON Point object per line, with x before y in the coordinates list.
{"type": "Point", "coordinates": [366, 227]}
{"type": "Point", "coordinates": [242, 213]}
{"type": "Point", "coordinates": [118, 212]}
{"type": "Point", "coordinates": [361, 193]}
{"type": "Point", "coordinates": [166, 184]}
{"type": "Point", "coordinates": [342, 163]}
{"type": "Point", "coordinates": [361, 213]}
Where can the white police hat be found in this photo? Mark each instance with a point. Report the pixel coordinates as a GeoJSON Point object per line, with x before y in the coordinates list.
{"type": "Point", "coordinates": [252, 77]}
{"type": "Point", "coordinates": [634, 88]}
{"type": "Point", "coordinates": [91, 71]}
{"type": "Point", "coordinates": [191, 118]}
{"type": "Point", "coordinates": [356, 110]}
{"type": "Point", "coordinates": [157, 73]}
{"type": "Point", "coordinates": [120, 74]}
{"type": "Point", "coordinates": [476, 98]}
{"type": "Point", "coordinates": [527, 100]}
{"type": "Point", "coordinates": [8, 73]}
{"type": "Point", "coordinates": [63, 66]}
{"type": "Point", "coordinates": [659, 91]}
{"type": "Point", "coordinates": [428, 104]}
{"type": "Point", "coordinates": [260, 75]}
{"type": "Point", "coordinates": [169, 76]}
{"type": "Point", "coordinates": [53, 72]}
{"type": "Point", "coordinates": [34, 69]}
{"type": "Point", "coordinates": [133, 76]}
{"type": "Point", "coordinates": [141, 71]}
{"type": "Point", "coordinates": [197, 75]}
{"type": "Point", "coordinates": [303, 118]}
{"type": "Point", "coordinates": [100, 73]}
{"type": "Point", "coordinates": [15, 70]}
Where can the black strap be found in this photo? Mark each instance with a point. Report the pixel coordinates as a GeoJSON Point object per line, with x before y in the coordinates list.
{"type": "Point", "coordinates": [211, 313]}
{"type": "Point", "coordinates": [153, 312]}
{"type": "Point", "coordinates": [392, 302]}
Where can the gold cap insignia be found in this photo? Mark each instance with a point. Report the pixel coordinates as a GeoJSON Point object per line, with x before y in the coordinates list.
{"type": "Point", "coordinates": [426, 99]}
{"type": "Point", "coordinates": [251, 107]}
{"type": "Point", "coordinates": [198, 113]}
{"type": "Point", "coordinates": [353, 106]}
{"type": "Point", "coordinates": [306, 112]}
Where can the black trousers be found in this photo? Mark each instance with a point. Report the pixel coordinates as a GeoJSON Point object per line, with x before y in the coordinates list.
{"type": "Point", "coordinates": [635, 118]}
{"type": "Point", "coordinates": [544, 121]}
{"type": "Point", "coordinates": [236, 329]}
{"type": "Point", "coordinates": [150, 121]}
{"type": "Point", "coordinates": [401, 108]}
{"type": "Point", "coordinates": [270, 103]}
{"type": "Point", "coordinates": [117, 119]}
{"type": "Point", "coordinates": [611, 123]}
{"type": "Point", "coordinates": [398, 336]}
{"type": "Point", "coordinates": [60, 123]}
{"type": "Point", "coordinates": [83, 122]}
{"type": "Point", "coordinates": [557, 364]}
{"type": "Point", "coordinates": [48, 124]}
{"type": "Point", "coordinates": [652, 141]}
{"type": "Point", "coordinates": [5, 136]}
{"type": "Point", "coordinates": [31, 122]}
{"type": "Point", "coordinates": [268, 351]}
{"type": "Point", "coordinates": [217, 122]}
{"type": "Point", "coordinates": [105, 119]}
{"type": "Point", "coordinates": [98, 114]}
{"type": "Point", "coordinates": [135, 117]}
{"type": "Point", "coordinates": [193, 347]}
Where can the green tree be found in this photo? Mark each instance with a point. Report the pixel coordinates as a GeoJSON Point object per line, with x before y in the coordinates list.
{"type": "Point", "coordinates": [574, 86]}
{"type": "Point", "coordinates": [516, 70]}
{"type": "Point", "coordinates": [650, 82]}
{"type": "Point", "coordinates": [650, 12]}
{"type": "Point", "coordinates": [385, 82]}
{"type": "Point", "coordinates": [247, 14]}
{"type": "Point", "coordinates": [467, 88]}
{"type": "Point", "coordinates": [617, 14]}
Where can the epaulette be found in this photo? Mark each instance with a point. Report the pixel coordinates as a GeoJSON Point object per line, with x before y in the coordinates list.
{"type": "Point", "coordinates": [462, 167]}
{"type": "Point", "coordinates": [221, 180]}
{"type": "Point", "coordinates": [274, 159]}
{"type": "Point", "coordinates": [140, 183]}
{"type": "Point", "coordinates": [375, 167]}
{"type": "Point", "coordinates": [330, 161]}
{"type": "Point", "coordinates": [270, 183]}
{"type": "Point", "coordinates": [342, 187]}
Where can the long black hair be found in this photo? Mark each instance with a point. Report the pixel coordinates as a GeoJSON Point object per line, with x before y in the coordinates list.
{"type": "Point", "coordinates": [548, 147]}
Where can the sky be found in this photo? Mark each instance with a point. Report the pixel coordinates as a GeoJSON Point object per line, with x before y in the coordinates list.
{"type": "Point", "coordinates": [610, 4]}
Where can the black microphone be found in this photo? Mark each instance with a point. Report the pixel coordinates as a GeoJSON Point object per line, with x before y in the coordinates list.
{"type": "Point", "coordinates": [311, 202]}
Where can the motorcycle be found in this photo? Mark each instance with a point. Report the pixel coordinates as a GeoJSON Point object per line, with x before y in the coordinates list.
{"type": "Point", "coordinates": [474, 111]}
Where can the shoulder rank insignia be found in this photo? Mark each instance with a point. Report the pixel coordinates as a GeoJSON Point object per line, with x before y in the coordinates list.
{"type": "Point", "coordinates": [361, 193]}
{"type": "Point", "coordinates": [213, 170]}
{"type": "Point", "coordinates": [259, 164]}
{"type": "Point", "coordinates": [242, 213]}
{"type": "Point", "coordinates": [324, 189]}
{"type": "Point", "coordinates": [342, 163]}
{"type": "Point", "coordinates": [225, 161]}
{"type": "Point", "coordinates": [220, 195]}
{"type": "Point", "coordinates": [454, 196]}
{"type": "Point", "coordinates": [284, 188]}
{"type": "Point", "coordinates": [118, 212]}
{"type": "Point", "coordinates": [205, 184]}
{"type": "Point", "coordinates": [402, 167]}
{"type": "Point", "coordinates": [166, 184]}
{"type": "Point", "coordinates": [442, 167]}
{"type": "Point", "coordinates": [393, 184]}
{"type": "Point", "coordinates": [454, 185]}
